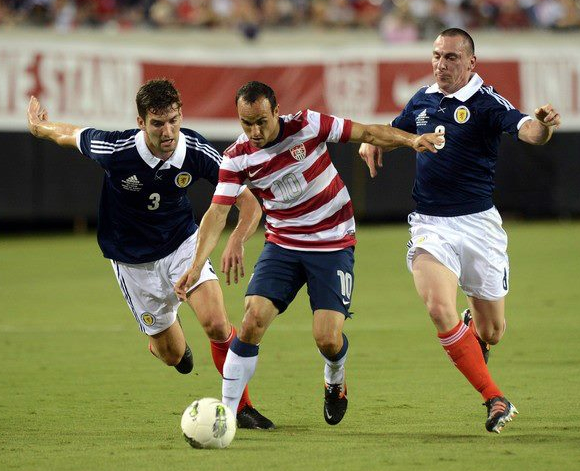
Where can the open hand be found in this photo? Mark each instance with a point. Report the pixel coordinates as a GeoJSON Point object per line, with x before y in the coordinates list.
{"type": "Point", "coordinates": [233, 260]}
{"type": "Point", "coordinates": [36, 114]}
{"type": "Point", "coordinates": [547, 115]}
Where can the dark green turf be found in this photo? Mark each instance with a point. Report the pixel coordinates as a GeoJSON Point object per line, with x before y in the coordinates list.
{"type": "Point", "coordinates": [79, 391]}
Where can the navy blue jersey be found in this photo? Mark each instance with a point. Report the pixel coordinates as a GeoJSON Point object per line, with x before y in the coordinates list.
{"type": "Point", "coordinates": [459, 179]}
{"type": "Point", "coordinates": [144, 212]}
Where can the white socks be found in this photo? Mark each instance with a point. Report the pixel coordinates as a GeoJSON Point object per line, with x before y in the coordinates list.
{"type": "Point", "coordinates": [238, 370]}
{"type": "Point", "coordinates": [334, 370]}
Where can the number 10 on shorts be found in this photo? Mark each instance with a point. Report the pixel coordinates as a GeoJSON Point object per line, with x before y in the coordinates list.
{"type": "Point", "coordinates": [345, 284]}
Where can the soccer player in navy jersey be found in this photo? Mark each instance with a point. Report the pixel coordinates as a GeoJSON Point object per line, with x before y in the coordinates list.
{"type": "Point", "coordinates": [147, 229]}
{"type": "Point", "coordinates": [310, 229]}
{"type": "Point", "coordinates": [456, 232]}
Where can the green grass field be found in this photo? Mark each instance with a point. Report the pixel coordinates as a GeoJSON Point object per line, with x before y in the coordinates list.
{"type": "Point", "coordinates": [79, 390]}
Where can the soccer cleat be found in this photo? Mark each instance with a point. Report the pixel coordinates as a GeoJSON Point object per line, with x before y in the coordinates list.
{"type": "Point", "coordinates": [335, 402]}
{"type": "Point", "coordinates": [485, 347]}
{"type": "Point", "coordinates": [499, 411]}
{"type": "Point", "coordinates": [249, 417]}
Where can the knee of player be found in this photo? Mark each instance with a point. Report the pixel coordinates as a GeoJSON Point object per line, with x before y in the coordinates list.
{"type": "Point", "coordinates": [216, 327]}
{"type": "Point", "coordinates": [327, 342]}
{"type": "Point", "coordinates": [440, 310]}
{"type": "Point", "coordinates": [491, 334]}
{"type": "Point", "coordinates": [254, 319]}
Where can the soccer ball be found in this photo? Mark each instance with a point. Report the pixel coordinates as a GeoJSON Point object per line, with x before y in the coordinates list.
{"type": "Point", "coordinates": [208, 423]}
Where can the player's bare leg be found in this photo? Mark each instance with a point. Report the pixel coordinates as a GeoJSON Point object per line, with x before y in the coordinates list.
{"type": "Point", "coordinates": [259, 314]}
{"type": "Point", "coordinates": [208, 305]}
{"type": "Point", "coordinates": [487, 322]}
{"type": "Point", "coordinates": [327, 331]}
{"type": "Point", "coordinates": [327, 328]}
{"type": "Point", "coordinates": [437, 286]}
{"type": "Point", "coordinates": [488, 318]}
{"type": "Point", "coordinates": [171, 348]}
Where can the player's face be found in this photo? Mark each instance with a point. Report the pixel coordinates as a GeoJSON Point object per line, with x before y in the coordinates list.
{"type": "Point", "coordinates": [259, 121]}
{"type": "Point", "coordinates": [162, 131]}
{"type": "Point", "coordinates": [452, 63]}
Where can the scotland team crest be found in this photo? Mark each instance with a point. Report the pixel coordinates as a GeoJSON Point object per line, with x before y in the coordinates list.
{"type": "Point", "coordinates": [148, 319]}
{"type": "Point", "coordinates": [461, 114]}
{"type": "Point", "coordinates": [298, 152]}
{"type": "Point", "coordinates": [183, 179]}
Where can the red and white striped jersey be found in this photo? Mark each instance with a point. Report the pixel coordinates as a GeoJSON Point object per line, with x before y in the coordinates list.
{"type": "Point", "coordinates": [306, 203]}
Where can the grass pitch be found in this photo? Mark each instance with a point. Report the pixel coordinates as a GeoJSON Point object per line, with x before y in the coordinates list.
{"type": "Point", "coordinates": [79, 391]}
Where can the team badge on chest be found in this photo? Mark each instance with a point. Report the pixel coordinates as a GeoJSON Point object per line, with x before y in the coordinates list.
{"type": "Point", "coordinates": [298, 152]}
{"type": "Point", "coordinates": [183, 179]}
{"type": "Point", "coordinates": [462, 114]}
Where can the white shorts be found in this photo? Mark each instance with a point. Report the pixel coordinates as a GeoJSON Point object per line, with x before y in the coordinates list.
{"type": "Point", "coordinates": [474, 247]}
{"type": "Point", "coordinates": [148, 287]}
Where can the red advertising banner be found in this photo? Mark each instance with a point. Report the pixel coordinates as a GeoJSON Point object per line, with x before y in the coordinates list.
{"type": "Point", "coordinates": [92, 86]}
{"type": "Point", "coordinates": [348, 88]}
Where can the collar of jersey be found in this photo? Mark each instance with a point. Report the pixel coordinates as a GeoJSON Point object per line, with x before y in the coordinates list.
{"type": "Point", "coordinates": [176, 159]}
{"type": "Point", "coordinates": [463, 94]}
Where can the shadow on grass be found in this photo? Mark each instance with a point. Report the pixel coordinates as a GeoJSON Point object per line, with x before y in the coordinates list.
{"type": "Point", "coordinates": [280, 430]}
{"type": "Point", "coordinates": [476, 438]}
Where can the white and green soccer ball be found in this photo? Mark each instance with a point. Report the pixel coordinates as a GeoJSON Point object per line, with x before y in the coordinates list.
{"type": "Point", "coordinates": [208, 423]}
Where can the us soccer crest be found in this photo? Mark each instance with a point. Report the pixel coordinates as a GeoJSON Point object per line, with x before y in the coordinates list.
{"type": "Point", "coordinates": [183, 179]}
{"type": "Point", "coordinates": [298, 152]}
{"type": "Point", "coordinates": [461, 114]}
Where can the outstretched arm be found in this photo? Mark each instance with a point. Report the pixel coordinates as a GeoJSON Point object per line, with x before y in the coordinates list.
{"type": "Point", "coordinates": [388, 137]}
{"type": "Point", "coordinates": [539, 131]}
{"type": "Point", "coordinates": [208, 234]}
{"type": "Point", "coordinates": [63, 134]}
{"type": "Point", "coordinates": [248, 220]}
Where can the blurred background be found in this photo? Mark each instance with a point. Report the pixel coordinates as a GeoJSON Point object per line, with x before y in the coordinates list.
{"type": "Point", "coordinates": [395, 21]}
{"type": "Point", "coordinates": [361, 59]}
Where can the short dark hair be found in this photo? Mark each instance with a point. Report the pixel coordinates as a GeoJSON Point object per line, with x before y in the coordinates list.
{"type": "Point", "coordinates": [157, 95]}
{"type": "Point", "coordinates": [252, 91]}
{"type": "Point", "coordinates": [464, 34]}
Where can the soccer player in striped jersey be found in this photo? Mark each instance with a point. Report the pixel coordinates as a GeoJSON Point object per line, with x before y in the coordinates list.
{"type": "Point", "coordinates": [310, 229]}
{"type": "Point", "coordinates": [456, 232]}
{"type": "Point", "coordinates": [146, 226]}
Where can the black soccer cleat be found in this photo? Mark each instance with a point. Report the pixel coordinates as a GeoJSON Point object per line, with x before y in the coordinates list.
{"type": "Point", "coordinates": [499, 412]}
{"type": "Point", "coordinates": [250, 418]}
{"type": "Point", "coordinates": [335, 403]}
{"type": "Point", "coordinates": [485, 347]}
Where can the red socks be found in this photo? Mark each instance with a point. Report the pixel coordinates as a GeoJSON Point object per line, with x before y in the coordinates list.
{"type": "Point", "coordinates": [219, 351]}
{"type": "Point", "coordinates": [465, 353]}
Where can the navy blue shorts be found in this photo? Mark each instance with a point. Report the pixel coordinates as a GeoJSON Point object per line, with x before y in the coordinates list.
{"type": "Point", "coordinates": [280, 273]}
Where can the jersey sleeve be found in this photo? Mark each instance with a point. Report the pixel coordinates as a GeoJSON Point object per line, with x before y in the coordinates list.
{"type": "Point", "coordinates": [502, 116]}
{"type": "Point", "coordinates": [406, 120]}
{"type": "Point", "coordinates": [207, 158]}
{"type": "Point", "coordinates": [101, 146]}
{"type": "Point", "coordinates": [330, 128]}
{"type": "Point", "coordinates": [230, 182]}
